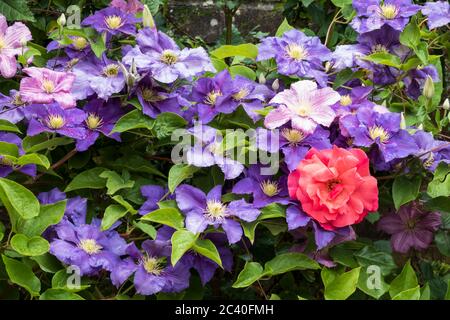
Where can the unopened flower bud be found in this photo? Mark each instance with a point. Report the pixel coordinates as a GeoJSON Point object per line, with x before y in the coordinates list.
{"type": "Point", "coordinates": [420, 127]}
{"type": "Point", "coordinates": [262, 78]}
{"type": "Point", "coordinates": [61, 20]}
{"type": "Point", "coordinates": [446, 105]}
{"type": "Point", "coordinates": [428, 88]}
{"type": "Point", "coordinates": [276, 85]}
{"type": "Point", "coordinates": [147, 18]}
{"type": "Point", "coordinates": [402, 121]}
{"type": "Point", "coordinates": [328, 66]}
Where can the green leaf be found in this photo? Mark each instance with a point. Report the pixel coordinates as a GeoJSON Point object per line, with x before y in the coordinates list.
{"type": "Point", "coordinates": [135, 163]}
{"type": "Point", "coordinates": [289, 262]}
{"type": "Point", "coordinates": [48, 263]}
{"type": "Point", "coordinates": [18, 200]}
{"type": "Point", "coordinates": [342, 286]}
{"type": "Point", "coordinates": [41, 142]}
{"type": "Point", "coordinates": [115, 182]}
{"type": "Point", "coordinates": [49, 215]}
{"type": "Point", "coordinates": [410, 36]}
{"type": "Point", "coordinates": [384, 58]}
{"type": "Point", "coordinates": [252, 272]}
{"type": "Point", "coordinates": [22, 275]}
{"type": "Point", "coordinates": [421, 52]}
{"type": "Point", "coordinates": [407, 279]}
{"type": "Point", "coordinates": [247, 50]}
{"type": "Point", "coordinates": [219, 64]}
{"type": "Point", "coordinates": [89, 179]}
{"type": "Point", "coordinates": [182, 241]}
{"type": "Point", "coordinates": [169, 216]}
{"type": "Point", "coordinates": [178, 173]}
{"type": "Point", "coordinates": [409, 294]}
{"type": "Point", "coordinates": [284, 26]}
{"type": "Point", "coordinates": [442, 239]}
{"type": "Point", "coordinates": [34, 158]}
{"type": "Point", "coordinates": [133, 120]}
{"type": "Point", "coordinates": [166, 123]}
{"type": "Point", "coordinates": [34, 246]}
{"type": "Point", "coordinates": [59, 294]}
{"type": "Point", "coordinates": [242, 71]}
{"type": "Point", "coordinates": [153, 5]}
{"type": "Point", "coordinates": [341, 3]}
{"type": "Point", "coordinates": [98, 45]}
{"type": "Point", "coordinates": [371, 256]}
{"type": "Point", "coordinates": [112, 213]}
{"type": "Point", "coordinates": [5, 125]}
{"type": "Point", "coordinates": [207, 248]}
{"type": "Point", "coordinates": [405, 190]}
{"type": "Point", "coordinates": [9, 149]}
{"type": "Point", "coordinates": [61, 281]}
{"type": "Point", "coordinates": [147, 228]}
{"type": "Point", "coordinates": [371, 283]}
{"type": "Point", "coordinates": [440, 186]}
{"type": "Point", "coordinates": [16, 10]}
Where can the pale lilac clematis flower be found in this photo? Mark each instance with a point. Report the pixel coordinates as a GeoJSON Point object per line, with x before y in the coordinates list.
{"type": "Point", "coordinates": [438, 13]}
{"type": "Point", "coordinates": [12, 40]}
{"type": "Point", "coordinates": [304, 105]}
{"type": "Point", "coordinates": [47, 86]}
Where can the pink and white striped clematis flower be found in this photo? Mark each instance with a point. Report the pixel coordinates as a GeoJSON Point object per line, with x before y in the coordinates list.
{"type": "Point", "coordinates": [12, 41]}
{"type": "Point", "coordinates": [304, 105]}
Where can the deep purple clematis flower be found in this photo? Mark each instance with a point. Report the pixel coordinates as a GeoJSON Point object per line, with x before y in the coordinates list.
{"type": "Point", "coordinates": [352, 100]}
{"type": "Point", "coordinates": [159, 54]}
{"type": "Point", "coordinates": [211, 96]}
{"type": "Point", "coordinates": [52, 118]}
{"type": "Point", "coordinates": [101, 76]}
{"type": "Point", "coordinates": [12, 42]}
{"type": "Point", "coordinates": [129, 6]}
{"type": "Point", "coordinates": [368, 128]}
{"type": "Point", "coordinates": [6, 166]}
{"type": "Point", "coordinates": [304, 105]}
{"type": "Point", "coordinates": [296, 54]}
{"type": "Point", "coordinates": [207, 151]}
{"type": "Point", "coordinates": [47, 86]}
{"type": "Point", "coordinates": [203, 210]}
{"type": "Point", "coordinates": [154, 194]}
{"type": "Point", "coordinates": [438, 13]}
{"type": "Point", "coordinates": [113, 21]}
{"type": "Point", "coordinates": [265, 189]}
{"type": "Point", "coordinates": [373, 14]}
{"type": "Point", "coordinates": [415, 80]}
{"type": "Point", "coordinates": [425, 143]}
{"type": "Point", "coordinates": [11, 107]}
{"type": "Point", "coordinates": [101, 117]}
{"type": "Point", "coordinates": [411, 227]}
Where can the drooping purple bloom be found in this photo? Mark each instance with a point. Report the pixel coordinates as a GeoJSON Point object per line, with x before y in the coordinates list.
{"type": "Point", "coordinates": [153, 194]}
{"type": "Point", "coordinates": [113, 21]}
{"type": "Point", "coordinates": [12, 42]}
{"type": "Point", "coordinates": [6, 165]}
{"type": "Point", "coordinates": [410, 228]}
{"type": "Point", "coordinates": [426, 143]}
{"type": "Point", "coordinates": [79, 48]}
{"type": "Point", "coordinates": [203, 210]}
{"type": "Point", "coordinates": [52, 118]}
{"type": "Point", "coordinates": [373, 14]}
{"type": "Point", "coordinates": [11, 107]}
{"type": "Point", "coordinates": [368, 128]}
{"type": "Point", "coordinates": [415, 80]}
{"type": "Point", "coordinates": [438, 13]}
{"type": "Point", "coordinates": [159, 54]}
{"type": "Point", "coordinates": [101, 117]}
{"type": "Point", "coordinates": [296, 54]}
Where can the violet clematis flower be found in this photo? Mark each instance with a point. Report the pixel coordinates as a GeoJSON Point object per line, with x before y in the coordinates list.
{"type": "Point", "coordinates": [101, 117]}
{"type": "Point", "coordinates": [154, 194]}
{"type": "Point", "coordinates": [52, 118]}
{"type": "Point", "coordinates": [12, 42]}
{"type": "Point", "coordinates": [368, 128]}
{"type": "Point", "coordinates": [79, 48]}
{"type": "Point", "coordinates": [128, 6]}
{"type": "Point", "coordinates": [11, 107]}
{"type": "Point", "coordinates": [112, 21]}
{"type": "Point", "coordinates": [354, 99]}
{"type": "Point", "coordinates": [6, 166]}
{"type": "Point", "coordinates": [425, 143]}
{"type": "Point", "coordinates": [47, 86]}
{"type": "Point", "coordinates": [207, 151]}
{"type": "Point", "coordinates": [203, 210]}
{"type": "Point", "coordinates": [304, 105]}
{"type": "Point", "coordinates": [373, 14]}
{"type": "Point", "coordinates": [296, 54]}
{"type": "Point", "coordinates": [265, 189]}
{"type": "Point", "coordinates": [438, 13]}
{"type": "Point", "coordinates": [410, 228]}
{"type": "Point", "coordinates": [159, 54]}
{"type": "Point", "coordinates": [415, 80]}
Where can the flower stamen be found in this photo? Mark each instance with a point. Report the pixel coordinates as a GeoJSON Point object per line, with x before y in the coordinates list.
{"type": "Point", "coordinates": [296, 52]}
{"type": "Point", "coordinates": [270, 188]}
{"type": "Point", "coordinates": [114, 22]}
{"type": "Point", "coordinates": [379, 132]}
{"type": "Point", "coordinates": [90, 246]}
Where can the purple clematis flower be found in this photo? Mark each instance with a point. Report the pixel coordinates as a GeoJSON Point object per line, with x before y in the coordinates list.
{"type": "Point", "coordinates": [410, 228]}
{"type": "Point", "coordinates": [47, 86]}
{"type": "Point", "coordinates": [352, 100]}
{"type": "Point", "coordinates": [52, 118]}
{"type": "Point", "coordinates": [154, 194]}
{"type": "Point", "coordinates": [101, 117]}
{"type": "Point", "coordinates": [203, 210]}
{"type": "Point", "coordinates": [101, 76]}
{"type": "Point", "coordinates": [207, 151]}
{"type": "Point", "coordinates": [438, 13]}
{"type": "Point", "coordinates": [129, 6]}
{"type": "Point", "coordinates": [11, 107]}
{"type": "Point", "coordinates": [112, 21]}
{"type": "Point", "coordinates": [159, 54]}
{"type": "Point", "coordinates": [296, 54]}
{"type": "Point", "coordinates": [6, 166]}
{"type": "Point", "coordinates": [425, 143]}
{"type": "Point", "coordinates": [79, 47]}
{"type": "Point", "coordinates": [368, 128]}
{"type": "Point", "coordinates": [415, 80]}
{"type": "Point", "coordinates": [12, 42]}
{"type": "Point", "coordinates": [373, 14]}
{"type": "Point", "coordinates": [304, 105]}
{"type": "Point", "coordinates": [265, 189]}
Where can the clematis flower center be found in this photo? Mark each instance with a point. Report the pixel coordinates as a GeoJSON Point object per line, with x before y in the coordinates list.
{"type": "Point", "coordinates": [242, 94]}
{"type": "Point", "coordinates": [79, 43]}
{"type": "Point", "coordinates": [215, 210]}
{"type": "Point", "coordinates": [111, 70]}
{"type": "Point", "coordinates": [379, 132]}
{"type": "Point", "coordinates": [169, 57]}
{"type": "Point", "coordinates": [389, 11]}
{"type": "Point", "coordinates": [93, 121]}
{"type": "Point", "coordinates": [17, 100]}
{"type": "Point", "coordinates": [270, 188]}
{"type": "Point", "coordinates": [150, 95]}
{"type": "Point", "coordinates": [430, 160]}
{"type": "Point", "coordinates": [5, 161]}
{"type": "Point", "coordinates": [2, 43]}
{"type": "Point", "coordinates": [296, 52]}
{"type": "Point", "coordinates": [303, 110]}
{"type": "Point", "coordinates": [294, 136]}
{"type": "Point", "coordinates": [48, 86]}
{"type": "Point", "coordinates": [346, 100]}
{"type": "Point", "coordinates": [90, 246]}
{"type": "Point", "coordinates": [152, 265]}
{"type": "Point", "coordinates": [211, 97]}
{"type": "Point", "coordinates": [55, 121]}
{"type": "Point", "coordinates": [113, 22]}
{"type": "Point", "coordinates": [379, 48]}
